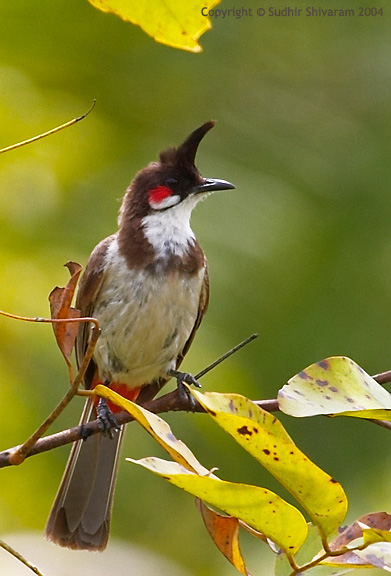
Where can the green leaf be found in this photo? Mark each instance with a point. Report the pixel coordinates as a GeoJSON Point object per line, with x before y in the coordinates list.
{"type": "Point", "coordinates": [171, 22]}
{"type": "Point", "coordinates": [258, 507]}
{"type": "Point", "coordinates": [264, 437]}
{"type": "Point", "coordinates": [336, 385]}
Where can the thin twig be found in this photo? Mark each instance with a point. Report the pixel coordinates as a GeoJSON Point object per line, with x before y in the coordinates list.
{"type": "Point", "coordinates": [19, 557]}
{"type": "Point", "coordinates": [42, 320]}
{"type": "Point", "coordinates": [20, 453]}
{"type": "Point", "coordinates": [171, 402]}
{"type": "Point", "coordinates": [49, 132]}
{"type": "Point", "coordinates": [383, 377]}
{"type": "Point", "coordinates": [225, 356]}
{"type": "Point", "coordinates": [382, 423]}
{"type": "Point", "coordinates": [175, 402]}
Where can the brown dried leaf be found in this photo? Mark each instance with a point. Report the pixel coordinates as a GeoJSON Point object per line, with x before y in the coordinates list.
{"type": "Point", "coordinates": [60, 307]}
{"type": "Point", "coordinates": [367, 526]}
{"type": "Point", "coordinates": [376, 520]}
{"type": "Point", "coordinates": [224, 531]}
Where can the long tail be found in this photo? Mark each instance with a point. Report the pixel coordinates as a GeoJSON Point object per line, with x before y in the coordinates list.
{"type": "Point", "coordinates": [81, 513]}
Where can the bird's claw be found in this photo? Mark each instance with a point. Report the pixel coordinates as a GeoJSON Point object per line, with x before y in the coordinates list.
{"type": "Point", "coordinates": [107, 420]}
{"type": "Point", "coordinates": [183, 378]}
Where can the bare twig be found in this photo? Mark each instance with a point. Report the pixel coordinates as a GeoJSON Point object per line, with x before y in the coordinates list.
{"type": "Point", "coordinates": [49, 132]}
{"type": "Point", "coordinates": [168, 403]}
{"type": "Point", "coordinates": [19, 557]}
{"type": "Point", "coordinates": [18, 455]}
{"type": "Point", "coordinates": [383, 377]}
{"type": "Point", "coordinates": [382, 423]}
{"type": "Point", "coordinates": [171, 401]}
{"type": "Point", "coordinates": [225, 356]}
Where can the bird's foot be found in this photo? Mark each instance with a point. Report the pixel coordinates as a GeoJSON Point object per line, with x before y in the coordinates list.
{"type": "Point", "coordinates": [183, 378]}
{"type": "Point", "coordinates": [107, 420]}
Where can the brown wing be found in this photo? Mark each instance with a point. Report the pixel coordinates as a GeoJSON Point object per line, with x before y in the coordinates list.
{"type": "Point", "coordinates": [88, 289]}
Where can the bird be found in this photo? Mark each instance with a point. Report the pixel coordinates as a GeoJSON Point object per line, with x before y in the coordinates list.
{"type": "Point", "coordinates": [148, 286]}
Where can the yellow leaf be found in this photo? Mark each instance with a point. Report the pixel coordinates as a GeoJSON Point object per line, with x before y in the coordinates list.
{"type": "Point", "coordinates": [171, 22]}
{"type": "Point", "coordinates": [336, 385]}
{"type": "Point", "coordinates": [158, 428]}
{"type": "Point", "coordinates": [372, 535]}
{"type": "Point", "coordinates": [264, 437]}
{"type": "Point", "coordinates": [258, 507]}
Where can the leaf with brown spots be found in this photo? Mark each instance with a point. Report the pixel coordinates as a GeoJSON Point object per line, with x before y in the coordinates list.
{"type": "Point", "coordinates": [60, 308]}
{"type": "Point", "coordinates": [378, 555]}
{"type": "Point", "coordinates": [375, 531]}
{"type": "Point", "coordinates": [224, 531]}
{"type": "Point", "coordinates": [335, 386]}
{"type": "Point", "coordinates": [265, 438]}
{"type": "Point", "coordinates": [258, 507]}
{"type": "Point", "coordinates": [375, 527]}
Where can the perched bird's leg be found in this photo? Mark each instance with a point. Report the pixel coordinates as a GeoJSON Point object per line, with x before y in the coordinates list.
{"type": "Point", "coordinates": [106, 418]}
{"type": "Point", "coordinates": [185, 377]}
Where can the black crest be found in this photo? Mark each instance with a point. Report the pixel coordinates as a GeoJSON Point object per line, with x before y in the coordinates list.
{"type": "Point", "coordinates": [184, 155]}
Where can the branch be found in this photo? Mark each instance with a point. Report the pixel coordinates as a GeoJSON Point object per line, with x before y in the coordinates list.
{"type": "Point", "coordinates": [19, 557]}
{"type": "Point", "coordinates": [49, 132]}
{"type": "Point", "coordinates": [170, 402]}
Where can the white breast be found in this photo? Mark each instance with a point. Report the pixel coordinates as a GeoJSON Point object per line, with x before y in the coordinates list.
{"type": "Point", "coordinates": [145, 320]}
{"type": "Point", "coordinates": [169, 232]}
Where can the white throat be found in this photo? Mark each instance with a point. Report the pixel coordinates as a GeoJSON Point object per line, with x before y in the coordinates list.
{"type": "Point", "coordinates": [169, 231]}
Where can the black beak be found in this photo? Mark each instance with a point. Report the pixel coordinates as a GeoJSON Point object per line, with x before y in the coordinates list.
{"type": "Point", "coordinates": [211, 184]}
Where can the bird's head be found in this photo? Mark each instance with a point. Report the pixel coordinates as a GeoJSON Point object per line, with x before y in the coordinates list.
{"type": "Point", "coordinates": [171, 181]}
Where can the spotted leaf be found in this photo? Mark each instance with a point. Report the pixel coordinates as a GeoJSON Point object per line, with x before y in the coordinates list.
{"type": "Point", "coordinates": [257, 507]}
{"type": "Point", "coordinates": [336, 385]}
{"type": "Point", "coordinates": [263, 436]}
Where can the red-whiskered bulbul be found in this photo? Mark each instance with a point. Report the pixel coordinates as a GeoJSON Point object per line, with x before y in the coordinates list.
{"type": "Point", "coordinates": [147, 284]}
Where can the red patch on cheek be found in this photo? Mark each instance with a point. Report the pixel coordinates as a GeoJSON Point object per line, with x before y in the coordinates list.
{"type": "Point", "coordinates": [158, 194]}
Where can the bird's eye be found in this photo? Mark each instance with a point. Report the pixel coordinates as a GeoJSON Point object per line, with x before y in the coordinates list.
{"type": "Point", "coordinates": [171, 182]}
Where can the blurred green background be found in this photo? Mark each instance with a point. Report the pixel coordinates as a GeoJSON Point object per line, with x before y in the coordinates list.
{"type": "Point", "coordinates": [300, 252]}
